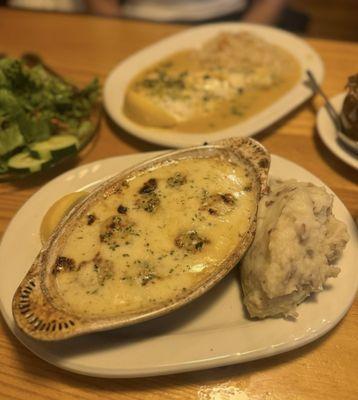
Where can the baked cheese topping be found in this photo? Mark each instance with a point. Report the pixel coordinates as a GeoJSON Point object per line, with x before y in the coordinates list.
{"type": "Point", "coordinates": [157, 238]}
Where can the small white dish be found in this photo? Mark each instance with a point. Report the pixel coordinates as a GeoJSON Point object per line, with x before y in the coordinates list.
{"type": "Point", "coordinates": [328, 132]}
{"type": "Point", "coordinates": [120, 77]}
{"type": "Point", "coordinates": [210, 332]}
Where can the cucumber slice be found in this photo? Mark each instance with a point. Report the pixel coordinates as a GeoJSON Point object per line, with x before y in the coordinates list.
{"type": "Point", "coordinates": [24, 163]}
{"type": "Point", "coordinates": [56, 147]}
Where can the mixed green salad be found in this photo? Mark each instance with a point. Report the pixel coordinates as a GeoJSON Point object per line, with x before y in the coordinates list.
{"type": "Point", "coordinates": [43, 118]}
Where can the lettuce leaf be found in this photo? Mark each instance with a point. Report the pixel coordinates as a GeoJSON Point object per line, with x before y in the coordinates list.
{"type": "Point", "coordinates": [10, 139]}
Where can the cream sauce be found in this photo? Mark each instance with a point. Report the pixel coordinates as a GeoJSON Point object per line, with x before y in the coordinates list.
{"type": "Point", "coordinates": [160, 237]}
{"type": "Point", "coordinates": [189, 92]}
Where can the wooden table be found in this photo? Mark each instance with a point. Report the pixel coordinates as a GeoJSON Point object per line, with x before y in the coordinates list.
{"type": "Point", "coordinates": [80, 47]}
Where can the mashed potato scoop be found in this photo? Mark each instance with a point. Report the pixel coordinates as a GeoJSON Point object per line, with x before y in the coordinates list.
{"type": "Point", "coordinates": [297, 245]}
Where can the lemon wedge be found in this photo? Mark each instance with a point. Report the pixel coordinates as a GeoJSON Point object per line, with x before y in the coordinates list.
{"type": "Point", "coordinates": [57, 211]}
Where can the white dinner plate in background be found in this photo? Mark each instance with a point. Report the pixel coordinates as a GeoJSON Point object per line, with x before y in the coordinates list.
{"type": "Point", "coordinates": [120, 77]}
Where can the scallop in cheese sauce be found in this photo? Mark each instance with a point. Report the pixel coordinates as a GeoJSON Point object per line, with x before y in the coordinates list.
{"type": "Point", "coordinates": [161, 234]}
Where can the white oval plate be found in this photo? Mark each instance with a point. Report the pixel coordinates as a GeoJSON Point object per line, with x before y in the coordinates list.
{"type": "Point", "coordinates": [120, 77]}
{"type": "Point", "coordinates": [210, 332]}
{"type": "Point", "coordinates": [327, 131]}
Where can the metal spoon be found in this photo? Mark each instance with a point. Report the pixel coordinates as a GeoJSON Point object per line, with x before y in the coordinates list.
{"type": "Point", "coordinates": [346, 140]}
